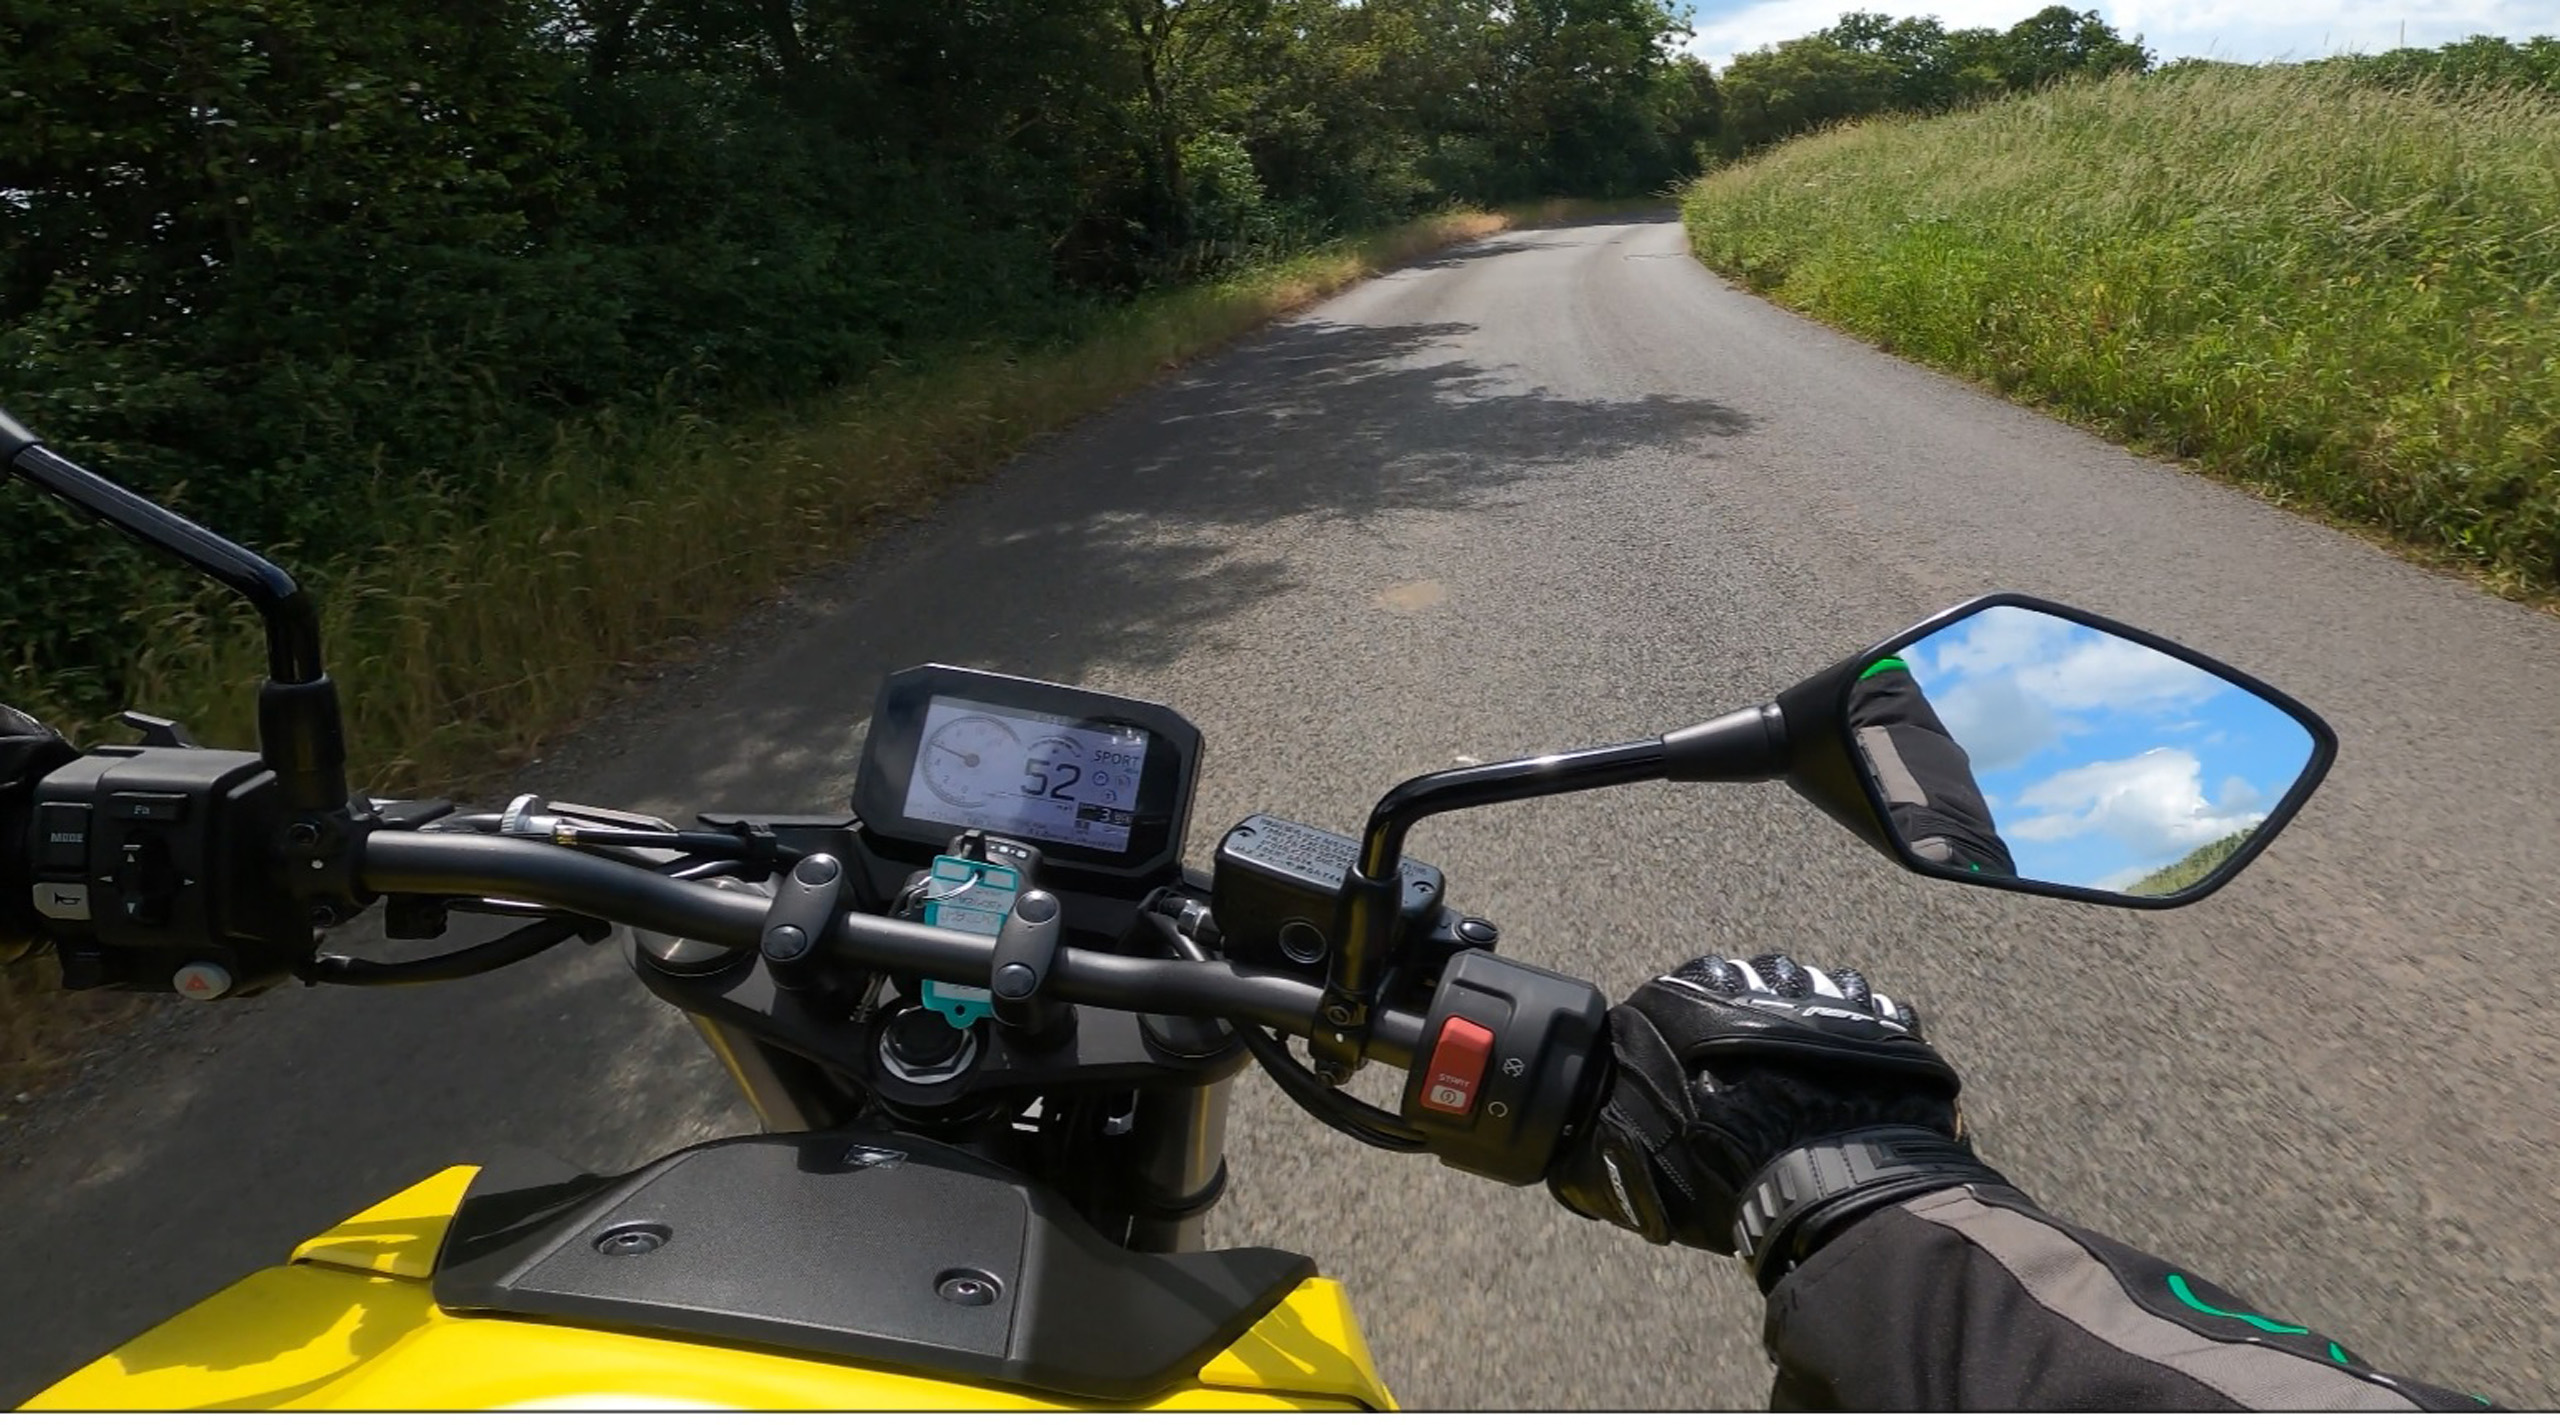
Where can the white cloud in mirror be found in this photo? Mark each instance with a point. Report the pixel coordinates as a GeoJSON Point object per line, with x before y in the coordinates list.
{"type": "Point", "coordinates": [1997, 722]}
{"type": "Point", "coordinates": [2153, 805]}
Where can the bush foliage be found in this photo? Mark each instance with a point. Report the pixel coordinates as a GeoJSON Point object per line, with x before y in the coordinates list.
{"type": "Point", "coordinates": [323, 272]}
{"type": "Point", "coordinates": [2190, 868]}
{"type": "Point", "coordinates": [1871, 64]}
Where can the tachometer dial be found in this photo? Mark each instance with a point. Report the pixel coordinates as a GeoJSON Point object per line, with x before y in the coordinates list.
{"type": "Point", "coordinates": [968, 758]}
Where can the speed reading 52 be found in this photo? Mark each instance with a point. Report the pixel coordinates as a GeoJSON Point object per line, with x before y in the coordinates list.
{"type": "Point", "coordinates": [1038, 771]}
{"type": "Point", "coordinates": [1023, 773]}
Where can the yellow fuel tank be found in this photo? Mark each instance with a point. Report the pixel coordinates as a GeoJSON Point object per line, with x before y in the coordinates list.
{"type": "Point", "coordinates": [351, 1324]}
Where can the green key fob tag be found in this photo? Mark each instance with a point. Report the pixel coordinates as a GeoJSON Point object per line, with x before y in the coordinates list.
{"type": "Point", "coordinates": [972, 897]}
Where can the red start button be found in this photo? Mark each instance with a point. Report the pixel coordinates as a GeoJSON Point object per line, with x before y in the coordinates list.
{"type": "Point", "coordinates": [1457, 1067]}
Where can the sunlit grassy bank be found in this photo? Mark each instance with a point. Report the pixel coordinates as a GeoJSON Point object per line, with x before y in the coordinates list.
{"type": "Point", "coordinates": [2346, 296]}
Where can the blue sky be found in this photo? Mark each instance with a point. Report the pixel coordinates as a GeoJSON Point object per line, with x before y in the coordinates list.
{"type": "Point", "coordinates": [2102, 759]}
{"type": "Point", "coordinates": [2244, 30]}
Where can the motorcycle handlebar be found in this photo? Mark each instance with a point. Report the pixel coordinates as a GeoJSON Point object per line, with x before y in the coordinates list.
{"type": "Point", "coordinates": [463, 864]}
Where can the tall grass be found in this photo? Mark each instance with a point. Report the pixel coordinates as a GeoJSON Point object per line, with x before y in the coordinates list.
{"type": "Point", "coordinates": [463, 647]}
{"type": "Point", "coordinates": [2341, 294]}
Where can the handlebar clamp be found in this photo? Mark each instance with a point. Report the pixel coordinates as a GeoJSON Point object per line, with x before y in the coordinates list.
{"type": "Point", "coordinates": [796, 927]}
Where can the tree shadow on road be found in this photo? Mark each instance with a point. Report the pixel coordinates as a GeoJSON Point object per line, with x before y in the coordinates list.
{"type": "Point", "coordinates": [1133, 538]}
{"type": "Point", "coordinates": [1127, 541]}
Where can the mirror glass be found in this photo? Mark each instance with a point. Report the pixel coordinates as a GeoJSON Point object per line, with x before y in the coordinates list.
{"type": "Point", "coordinates": [2017, 745]}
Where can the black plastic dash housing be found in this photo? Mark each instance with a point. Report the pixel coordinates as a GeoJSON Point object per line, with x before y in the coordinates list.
{"type": "Point", "coordinates": [870, 1246]}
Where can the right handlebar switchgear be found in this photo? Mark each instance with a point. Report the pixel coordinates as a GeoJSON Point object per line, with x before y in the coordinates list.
{"type": "Point", "coordinates": [1509, 1064]}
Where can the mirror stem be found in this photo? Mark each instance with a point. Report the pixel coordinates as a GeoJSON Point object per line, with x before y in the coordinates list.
{"type": "Point", "coordinates": [293, 629]}
{"type": "Point", "coordinates": [1745, 745]}
{"type": "Point", "coordinates": [299, 730]}
{"type": "Point", "coordinates": [1364, 929]}
{"type": "Point", "coordinates": [1382, 844]}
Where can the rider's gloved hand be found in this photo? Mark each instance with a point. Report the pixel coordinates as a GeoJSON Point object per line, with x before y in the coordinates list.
{"type": "Point", "coordinates": [28, 750]}
{"type": "Point", "coordinates": [1760, 1107]}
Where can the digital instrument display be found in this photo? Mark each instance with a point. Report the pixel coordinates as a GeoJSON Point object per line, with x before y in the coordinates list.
{"type": "Point", "coordinates": [1030, 774]}
{"type": "Point", "coordinates": [1102, 784]}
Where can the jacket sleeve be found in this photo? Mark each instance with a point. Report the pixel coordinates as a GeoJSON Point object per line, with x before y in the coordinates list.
{"type": "Point", "coordinates": [1973, 1298]}
{"type": "Point", "coordinates": [1936, 806]}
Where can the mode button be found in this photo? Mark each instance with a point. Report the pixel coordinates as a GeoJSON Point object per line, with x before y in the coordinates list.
{"type": "Point", "coordinates": [62, 837]}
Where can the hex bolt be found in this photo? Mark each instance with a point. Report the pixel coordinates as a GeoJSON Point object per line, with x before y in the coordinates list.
{"type": "Point", "coordinates": [966, 1286]}
{"type": "Point", "coordinates": [632, 1240]}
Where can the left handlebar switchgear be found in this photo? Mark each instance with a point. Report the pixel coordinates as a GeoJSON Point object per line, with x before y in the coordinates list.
{"type": "Point", "coordinates": [158, 868]}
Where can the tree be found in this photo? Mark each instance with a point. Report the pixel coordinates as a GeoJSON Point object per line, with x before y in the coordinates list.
{"type": "Point", "coordinates": [2479, 60]}
{"type": "Point", "coordinates": [1933, 69]}
{"type": "Point", "coordinates": [1176, 44]}
{"type": "Point", "coordinates": [2058, 42]}
{"type": "Point", "coordinates": [1799, 85]}
{"type": "Point", "coordinates": [1568, 104]}
{"type": "Point", "coordinates": [1688, 113]}
{"type": "Point", "coordinates": [1869, 62]}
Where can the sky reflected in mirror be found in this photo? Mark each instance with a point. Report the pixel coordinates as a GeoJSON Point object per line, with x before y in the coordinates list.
{"type": "Point", "coordinates": [2104, 762]}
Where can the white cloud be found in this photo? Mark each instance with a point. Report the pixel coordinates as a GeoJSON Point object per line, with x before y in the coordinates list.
{"type": "Point", "coordinates": [2113, 673]}
{"type": "Point", "coordinates": [1995, 640]}
{"type": "Point", "coordinates": [2245, 30]}
{"type": "Point", "coordinates": [1995, 721]}
{"type": "Point", "coordinates": [2057, 663]}
{"type": "Point", "coordinates": [2154, 805]}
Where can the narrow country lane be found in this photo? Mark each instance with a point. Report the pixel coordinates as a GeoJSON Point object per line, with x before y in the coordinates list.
{"type": "Point", "coordinates": [1562, 487]}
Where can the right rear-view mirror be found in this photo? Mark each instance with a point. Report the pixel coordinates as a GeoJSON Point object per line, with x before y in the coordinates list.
{"type": "Point", "coordinates": [2022, 744]}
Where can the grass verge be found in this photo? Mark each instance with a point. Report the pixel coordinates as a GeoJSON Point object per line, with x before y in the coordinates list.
{"type": "Point", "coordinates": [462, 649]}
{"type": "Point", "coordinates": [2340, 295]}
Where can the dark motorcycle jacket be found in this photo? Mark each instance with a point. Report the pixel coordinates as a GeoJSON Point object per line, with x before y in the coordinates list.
{"type": "Point", "coordinates": [1929, 790]}
{"type": "Point", "coordinates": [1974, 1298]}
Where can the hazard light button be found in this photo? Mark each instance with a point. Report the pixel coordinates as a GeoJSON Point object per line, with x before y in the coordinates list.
{"type": "Point", "coordinates": [1457, 1067]}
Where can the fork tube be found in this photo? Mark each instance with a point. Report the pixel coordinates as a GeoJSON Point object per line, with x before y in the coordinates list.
{"type": "Point", "coordinates": [1179, 1149]}
{"type": "Point", "coordinates": [788, 1094]}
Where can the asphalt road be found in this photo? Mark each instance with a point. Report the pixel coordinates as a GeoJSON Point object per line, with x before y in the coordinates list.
{"type": "Point", "coordinates": [1563, 488]}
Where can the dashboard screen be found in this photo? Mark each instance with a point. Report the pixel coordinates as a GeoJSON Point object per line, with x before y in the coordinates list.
{"type": "Point", "coordinates": [1028, 774]}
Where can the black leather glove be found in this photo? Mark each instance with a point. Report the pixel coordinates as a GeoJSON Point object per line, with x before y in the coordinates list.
{"type": "Point", "coordinates": [1760, 1107]}
{"type": "Point", "coordinates": [28, 750]}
